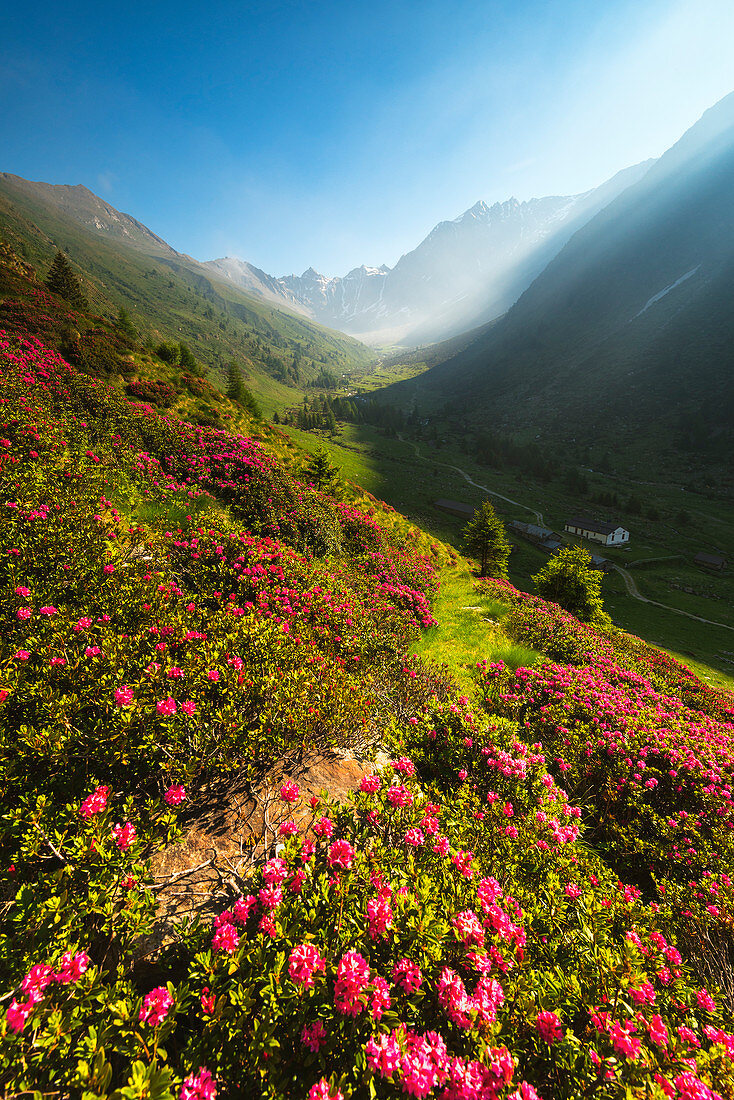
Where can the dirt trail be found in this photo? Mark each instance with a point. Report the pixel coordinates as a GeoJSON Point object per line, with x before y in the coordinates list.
{"type": "Point", "coordinates": [629, 583]}
{"type": "Point", "coordinates": [484, 488]}
{"type": "Point", "coordinates": [634, 592]}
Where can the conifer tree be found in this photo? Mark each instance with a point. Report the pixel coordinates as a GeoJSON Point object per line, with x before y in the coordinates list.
{"type": "Point", "coordinates": [320, 472]}
{"type": "Point", "coordinates": [62, 281]}
{"type": "Point", "coordinates": [235, 382]}
{"type": "Point", "coordinates": [238, 391]}
{"type": "Point", "coordinates": [125, 325]}
{"type": "Point", "coordinates": [485, 536]}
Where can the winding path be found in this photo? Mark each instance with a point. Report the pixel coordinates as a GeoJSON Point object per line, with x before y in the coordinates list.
{"type": "Point", "coordinates": [629, 583]}
{"type": "Point", "coordinates": [484, 488]}
{"type": "Point", "coordinates": [634, 592]}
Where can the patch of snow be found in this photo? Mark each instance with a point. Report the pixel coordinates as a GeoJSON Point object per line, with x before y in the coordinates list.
{"type": "Point", "coordinates": [666, 290]}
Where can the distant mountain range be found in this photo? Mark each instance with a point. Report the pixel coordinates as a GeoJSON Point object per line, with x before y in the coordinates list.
{"type": "Point", "coordinates": [169, 294]}
{"type": "Point", "coordinates": [626, 338]}
{"type": "Point", "coordinates": [466, 271]}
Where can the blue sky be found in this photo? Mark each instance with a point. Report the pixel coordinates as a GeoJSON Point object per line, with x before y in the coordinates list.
{"type": "Point", "coordinates": [333, 134]}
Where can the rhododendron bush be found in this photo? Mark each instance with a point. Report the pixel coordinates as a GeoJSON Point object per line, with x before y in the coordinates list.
{"type": "Point", "coordinates": [505, 910]}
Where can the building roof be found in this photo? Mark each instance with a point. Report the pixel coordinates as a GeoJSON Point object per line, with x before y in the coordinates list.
{"type": "Point", "coordinates": [599, 526]}
{"type": "Point", "coordinates": [455, 506]}
{"type": "Point", "coordinates": [710, 559]}
{"type": "Point", "coordinates": [532, 529]}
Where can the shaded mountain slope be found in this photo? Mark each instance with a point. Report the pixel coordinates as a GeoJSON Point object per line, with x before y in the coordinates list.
{"type": "Point", "coordinates": [628, 333]}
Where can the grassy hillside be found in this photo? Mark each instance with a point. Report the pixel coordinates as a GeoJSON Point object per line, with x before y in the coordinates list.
{"type": "Point", "coordinates": [169, 295]}
{"type": "Point", "coordinates": [531, 896]}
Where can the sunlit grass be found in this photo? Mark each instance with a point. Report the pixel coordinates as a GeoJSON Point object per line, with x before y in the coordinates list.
{"type": "Point", "coordinates": [469, 630]}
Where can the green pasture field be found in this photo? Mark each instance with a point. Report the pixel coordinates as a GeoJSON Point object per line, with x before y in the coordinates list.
{"type": "Point", "coordinates": [391, 470]}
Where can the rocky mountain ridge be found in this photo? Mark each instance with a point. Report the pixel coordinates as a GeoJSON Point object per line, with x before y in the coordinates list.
{"type": "Point", "coordinates": [467, 271]}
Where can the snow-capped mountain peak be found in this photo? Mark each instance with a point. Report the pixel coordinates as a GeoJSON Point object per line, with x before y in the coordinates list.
{"type": "Point", "coordinates": [466, 271]}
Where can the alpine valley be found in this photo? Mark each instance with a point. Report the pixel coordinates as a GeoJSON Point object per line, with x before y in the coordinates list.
{"type": "Point", "coordinates": [297, 801]}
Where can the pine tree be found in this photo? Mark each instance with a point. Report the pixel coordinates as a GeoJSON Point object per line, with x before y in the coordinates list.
{"type": "Point", "coordinates": [486, 537]}
{"type": "Point", "coordinates": [62, 281]}
{"type": "Point", "coordinates": [238, 391]}
{"type": "Point", "coordinates": [125, 326]}
{"type": "Point", "coordinates": [570, 580]}
{"type": "Point", "coordinates": [320, 471]}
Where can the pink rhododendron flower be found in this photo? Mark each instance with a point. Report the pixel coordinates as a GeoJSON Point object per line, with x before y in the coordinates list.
{"type": "Point", "coordinates": [124, 696]}
{"type": "Point", "coordinates": [175, 795]}
{"type": "Point", "coordinates": [406, 974]}
{"type": "Point", "coordinates": [270, 897]}
{"type": "Point", "coordinates": [383, 1055]}
{"type": "Point", "coordinates": [400, 796]}
{"type": "Point", "coordinates": [379, 915]}
{"type": "Point", "coordinates": [624, 1040]}
{"type": "Point", "coordinates": [442, 846]}
{"type": "Point", "coordinates": [36, 980]}
{"type": "Point", "coordinates": [645, 994]}
{"type": "Point", "coordinates": [340, 855]}
{"type": "Point", "coordinates": [243, 907]}
{"type": "Point", "coordinates": [94, 803]}
{"type": "Point", "coordinates": [17, 1014]}
{"type": "Point", "coordinates": [689, 1037]}
{"type": "Point", "coordinates": [72, 967]}
{"type": "Point", "coordinates": [226, 938]}
{"type": "Point", "coordinates": [275, 871]}
{"type": "Point", "coordinates": [705, 1001]}
{"type": "Point", "coordinates": [155, 1006]}
{"type": "Point", "coordinates": [380, 1000]}
{"type": "Point", "coordinates": [549, 1027]}
{"type": "Point", "coordinates": [166, 707]}
{"type": "Point", "coordinates": [266, 926]}
{"type": "Point", "coordinates": [524, 1092]}
{"type": "Point", "coordinates": [691, 1087]}
{"type": "Point", "coordinates": [414, 838]}
{"type": "Point", "coordinates": [287, 828]}
{"type": "Point", "coordinates": [462, 862]}
{"type": "Point", "coordinates": [313, 1036]}
{"type": "Point", "coordinates": [289, 792]}
{"type": "Point", "coordinates": [324, 827]}
{"type": "Point", "coordinates": [295, 886]}
{"type": "Point", "coordinates": [468, 928]}
{"type": "Point", "coordinates": [353, 975]}
{"type": "Point", "coordinates": [124, 835]}
{"type": "Point", "coordinates": [189, 708]}
{"type": "Point", "coordinates": [304, 961]}
{"type": "Point", "coordinates": [199, 1086]}
{"type": "Point", "coordinates": [370, 784]}
{"type": "Point", "coordinates": [322, 1091]}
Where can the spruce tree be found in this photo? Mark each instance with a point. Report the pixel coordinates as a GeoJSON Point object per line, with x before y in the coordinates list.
{"type": "Point", "coordinates": [62, 281]}
{"type": "Point", "coordinates": [125, 326]}
{"type": "Point", "coordinates": [235, 382]}
{"type": "Point", "coordinates": [485, 536]}
{"type": "Point", "coordinates": [238, 391]}
{"type": "Point", "coordinates": [320, 472]}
